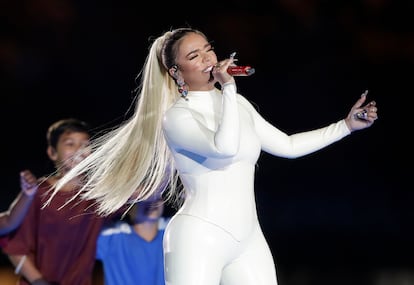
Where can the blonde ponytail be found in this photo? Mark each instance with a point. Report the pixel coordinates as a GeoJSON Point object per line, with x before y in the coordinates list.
{"type": "Point", "coordinates": [132, 160]}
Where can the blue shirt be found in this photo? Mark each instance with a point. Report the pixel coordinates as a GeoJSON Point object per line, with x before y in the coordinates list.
{"type": "Point", "coordinates": [129, 259]}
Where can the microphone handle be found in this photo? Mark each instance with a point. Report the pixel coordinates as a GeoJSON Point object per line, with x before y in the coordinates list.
{"type": "Point", "coordinates": [240, 70]}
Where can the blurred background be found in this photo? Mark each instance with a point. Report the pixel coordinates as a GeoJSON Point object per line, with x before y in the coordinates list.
{"type": "Point", "coordinates": [342, 215]}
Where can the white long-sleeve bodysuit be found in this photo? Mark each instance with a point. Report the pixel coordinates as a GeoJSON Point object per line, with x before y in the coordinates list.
{"type": "Point", "coordinates": [216, 138]}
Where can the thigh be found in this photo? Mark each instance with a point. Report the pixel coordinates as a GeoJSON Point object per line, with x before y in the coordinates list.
{"type": "Point", "coordinates": [254, 266]}
{"type": "Point", "coordinates": [195, 251]}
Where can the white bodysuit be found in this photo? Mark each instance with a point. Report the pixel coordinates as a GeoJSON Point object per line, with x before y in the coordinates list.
{"type": "Point", "coordinates": [216, 138]}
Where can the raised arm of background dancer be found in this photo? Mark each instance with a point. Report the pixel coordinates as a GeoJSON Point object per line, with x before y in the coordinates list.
{"type": "Point", "coordinates": [13, 217]}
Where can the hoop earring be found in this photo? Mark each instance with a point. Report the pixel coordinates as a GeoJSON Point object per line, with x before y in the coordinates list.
{"type": "Point", "coordinates": [182, 89]}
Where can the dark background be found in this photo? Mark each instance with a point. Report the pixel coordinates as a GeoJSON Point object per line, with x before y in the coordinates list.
{"type": "Point", "coordinates": [341, 215]}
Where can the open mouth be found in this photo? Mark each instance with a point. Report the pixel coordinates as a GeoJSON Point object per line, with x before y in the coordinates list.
{"type": "Point", "coordinates": [208, 69]}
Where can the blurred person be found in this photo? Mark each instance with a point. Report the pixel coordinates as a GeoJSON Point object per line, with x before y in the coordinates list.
{"type": "Point", "coordinates": [13, 217]}
{"type": "Point", "coordinates": [53, 245]}
{"type": "Point", "coordinates": [192, 127]}
{"type": "Point", "coordinates": [131, 251]}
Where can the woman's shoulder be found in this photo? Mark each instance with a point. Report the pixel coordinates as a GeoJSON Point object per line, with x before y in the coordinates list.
{"type": "Point", "coordinates": [176, 113]}
{"type": "Point", "coordinates": [181, 103]}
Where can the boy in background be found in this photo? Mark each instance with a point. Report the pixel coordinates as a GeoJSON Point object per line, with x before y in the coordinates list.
{"type": "Point", "coordinates": [55, 244]}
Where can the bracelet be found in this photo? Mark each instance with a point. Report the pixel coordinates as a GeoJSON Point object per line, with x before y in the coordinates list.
{"type": "Point", "coordinates": [20, 264]}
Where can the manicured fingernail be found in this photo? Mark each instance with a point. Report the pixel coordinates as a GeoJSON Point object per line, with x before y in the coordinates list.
{"type": "Point", "coordinates": [365, 93]}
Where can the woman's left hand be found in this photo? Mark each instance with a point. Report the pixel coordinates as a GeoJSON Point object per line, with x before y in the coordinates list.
{"type": "Point", "coordinates": [361, 117]}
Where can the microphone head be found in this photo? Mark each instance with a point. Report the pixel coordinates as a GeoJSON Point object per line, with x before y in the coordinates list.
{"type": "Point", "coordinates": [250, 71]}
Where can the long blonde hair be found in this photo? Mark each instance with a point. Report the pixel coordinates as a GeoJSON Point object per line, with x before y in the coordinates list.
{"type": "Point", "coordinates": [132, 160]}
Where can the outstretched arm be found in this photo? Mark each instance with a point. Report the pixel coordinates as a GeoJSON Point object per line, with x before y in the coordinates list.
{"type": "Point", "coordinates": [278, 143]}
{"type": "Point", "coordinates": [13, 217]}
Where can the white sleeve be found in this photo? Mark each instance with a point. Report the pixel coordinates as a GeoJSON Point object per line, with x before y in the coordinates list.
{"type": "Point", "coordinates": [278, 143]}
{"type": "Point", "coordinates": [185, 132]}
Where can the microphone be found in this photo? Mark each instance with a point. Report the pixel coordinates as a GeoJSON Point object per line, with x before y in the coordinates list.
{"type": "Point", "coordinates": [240, 70]}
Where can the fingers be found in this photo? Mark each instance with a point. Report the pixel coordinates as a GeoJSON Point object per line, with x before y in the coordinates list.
{"type": "Point", "coordinates": [224, 64]}
{"type": "Point", "coordinates": [361, 100]}
{"type": "Point", "coordinates": [28, 182]}
{"type": "Point", "coordinates": [368, 113]}
{"type": "Point", "coordinates": [27, 177]}
{"type": "Point", "coordinates": [363, 115]}
{"type": "Point", "coordinates": [371, 107]}
{"type": "Point", "coordinates": [220, 71]}
{"type": "Point", "coordinates": [372, 110]}
{"type": "Point", "coordinates": [369, 110]}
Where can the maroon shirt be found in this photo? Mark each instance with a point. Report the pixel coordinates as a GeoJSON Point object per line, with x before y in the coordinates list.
{"type": "Point", "coordinates": [3, 240]}
{"type": "Point", "coordinates": [62, 242]}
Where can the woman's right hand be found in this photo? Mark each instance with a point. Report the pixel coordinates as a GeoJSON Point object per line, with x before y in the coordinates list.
{"type": "Point", "coordinates": [220, 71]}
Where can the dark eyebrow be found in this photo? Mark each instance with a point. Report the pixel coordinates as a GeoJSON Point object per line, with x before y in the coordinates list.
{"type": "Point", "coordinates": [196, 50]}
